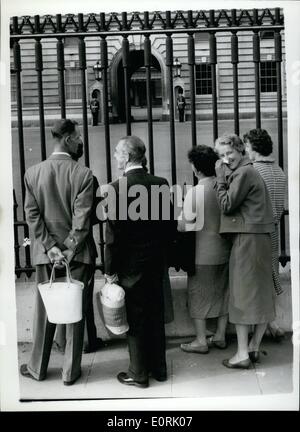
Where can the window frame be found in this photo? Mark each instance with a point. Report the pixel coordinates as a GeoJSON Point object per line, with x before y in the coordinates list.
{"type": "Point", "coordinates": [267, 94]}
{"type": "Point", "coordinates": [201, 80]}
{"type": "Point", "coordinates": [72, 63]}
{"type": "Point", "coordinates": [13, 74]}
{"type": "Point", "coordinates": [208, 97]}
{"type": "Point", "coordinates": [68, 85]}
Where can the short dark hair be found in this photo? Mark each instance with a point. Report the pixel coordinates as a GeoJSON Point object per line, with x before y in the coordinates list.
{"type": "Point", "coordinates": [260, 141]}
{"type": "Point", "coordinates": [62, 127]}
{"type": "Point", "coordinates": [204, 159]}
{"type": "Point", "coordinates": [233, 140]}
{"type": "Point", "coordinates": [135, 147]}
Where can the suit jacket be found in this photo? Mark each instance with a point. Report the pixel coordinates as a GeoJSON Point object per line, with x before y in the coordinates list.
{"type": "Point", "coordinates": [244, 200]}
{"type": "Point", "coordinates": [127, 240]}
{"type": "Point", "coordinates": [58, 205]}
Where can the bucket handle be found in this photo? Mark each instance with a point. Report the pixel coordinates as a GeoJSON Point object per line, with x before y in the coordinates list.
{"type": "Point", "coordinates": [52, 277]}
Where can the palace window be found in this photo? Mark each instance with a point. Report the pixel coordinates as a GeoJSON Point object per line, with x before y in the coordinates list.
{"type": "Point", "coordinates": [203, 68]}
{"type": "Point", "coordinates": [268, 78]}
{"type": "Point", "coordinates": [13, 87]}
{"type": "Point", "coordinates": [203, 79]}
{"type": "Point", "coordinates": [13, 77]}
{"type": "Point", "coordinates": [73, 83]}
{"type": "Point", "coordinates": [72, 71]}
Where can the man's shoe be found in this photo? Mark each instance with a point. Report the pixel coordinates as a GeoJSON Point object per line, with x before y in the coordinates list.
{"type": "Point", "coordinates": [69, 383]}
{"type": "Point", "coordinates": [123, 378]}
{"type": "Point", "coordinates": [98, 344]}
{"type": "Point", "coordinates": [25, 372]}
{"type": "Point", "coordinates": [160, 377]}
{"type": "Point", "coordinates": [243, 364]}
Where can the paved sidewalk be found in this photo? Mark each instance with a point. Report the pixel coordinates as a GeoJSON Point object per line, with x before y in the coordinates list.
{"type": "Point", "coordinates": [190, 375]}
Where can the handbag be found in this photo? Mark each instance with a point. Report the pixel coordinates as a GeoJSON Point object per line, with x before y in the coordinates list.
{"type": "Point", "coordinates": [112, 298]}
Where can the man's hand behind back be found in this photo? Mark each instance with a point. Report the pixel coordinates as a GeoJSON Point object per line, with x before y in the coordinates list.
{"type": "Point", "coordinates": [55, 255]}
{"type": "Point", "coordinates": [68, 255]}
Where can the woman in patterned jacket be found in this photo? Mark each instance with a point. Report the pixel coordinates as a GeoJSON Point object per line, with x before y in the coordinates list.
{"type": "Point", "coordinates": [259, 147]}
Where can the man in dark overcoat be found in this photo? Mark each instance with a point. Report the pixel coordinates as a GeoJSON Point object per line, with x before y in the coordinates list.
{"type": "Point", "coordinates": [135, 259]}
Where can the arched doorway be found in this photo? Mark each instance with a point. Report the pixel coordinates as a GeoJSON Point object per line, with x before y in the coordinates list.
{"type": "Point", "coordinates": [138, 93]}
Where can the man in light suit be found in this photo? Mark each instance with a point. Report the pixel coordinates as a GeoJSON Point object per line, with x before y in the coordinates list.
{"type": "Point", "coordinates": [58, 204]}
{"type": "Point", "coordinates": [134, 256]}
{"type": "Point", "coordinates": [93, 342]}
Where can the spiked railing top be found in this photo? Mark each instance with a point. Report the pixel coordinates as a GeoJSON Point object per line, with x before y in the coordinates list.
{"type": "Point", "coordinates": [139, 21]}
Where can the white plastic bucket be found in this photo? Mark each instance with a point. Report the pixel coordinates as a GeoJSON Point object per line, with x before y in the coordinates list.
{"type": "Point", "coordinates": [62, 298]}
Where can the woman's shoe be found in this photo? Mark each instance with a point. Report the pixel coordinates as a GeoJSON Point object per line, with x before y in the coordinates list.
{"type": "Point", "coordinates": [221, 344]}
{"type": "Point", "coordinates": [277, 334]}
{"type": "Point", "coordinates": [243, 364]}
{"type": "Point", "coordinates": [255, 356]}
{"type": "Point", "coordinates": [199, 349]}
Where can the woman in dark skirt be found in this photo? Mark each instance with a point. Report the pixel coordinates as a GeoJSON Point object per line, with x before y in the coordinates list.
{"type": "Point", "coordinates": [247, 220]}
{"type": "Point", "coordinates": [208, 287]}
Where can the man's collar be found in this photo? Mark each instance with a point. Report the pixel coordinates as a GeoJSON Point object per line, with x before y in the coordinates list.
{"type": "Point", "coordinates": [132, 167]}
{"type": "Point", "coordinates": [61, 153]}
{"type": "Point", "coordinates": [60, 156]}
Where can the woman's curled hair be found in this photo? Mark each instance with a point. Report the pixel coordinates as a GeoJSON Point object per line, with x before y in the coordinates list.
{"type": "Point", "coordinates": [204, 159]}
{"type": "Point", "coordinates": [260, 141]}
{"type": "Point", "coordinates": [233, 140]}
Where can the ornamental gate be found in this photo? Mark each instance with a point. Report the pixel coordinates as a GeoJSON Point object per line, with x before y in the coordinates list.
{"type": "Point", "coordinates": [104, 28]}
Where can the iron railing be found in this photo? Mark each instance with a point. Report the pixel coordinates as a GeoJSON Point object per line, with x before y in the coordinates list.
{"type": "Point", "coordinates": [146, 24]}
